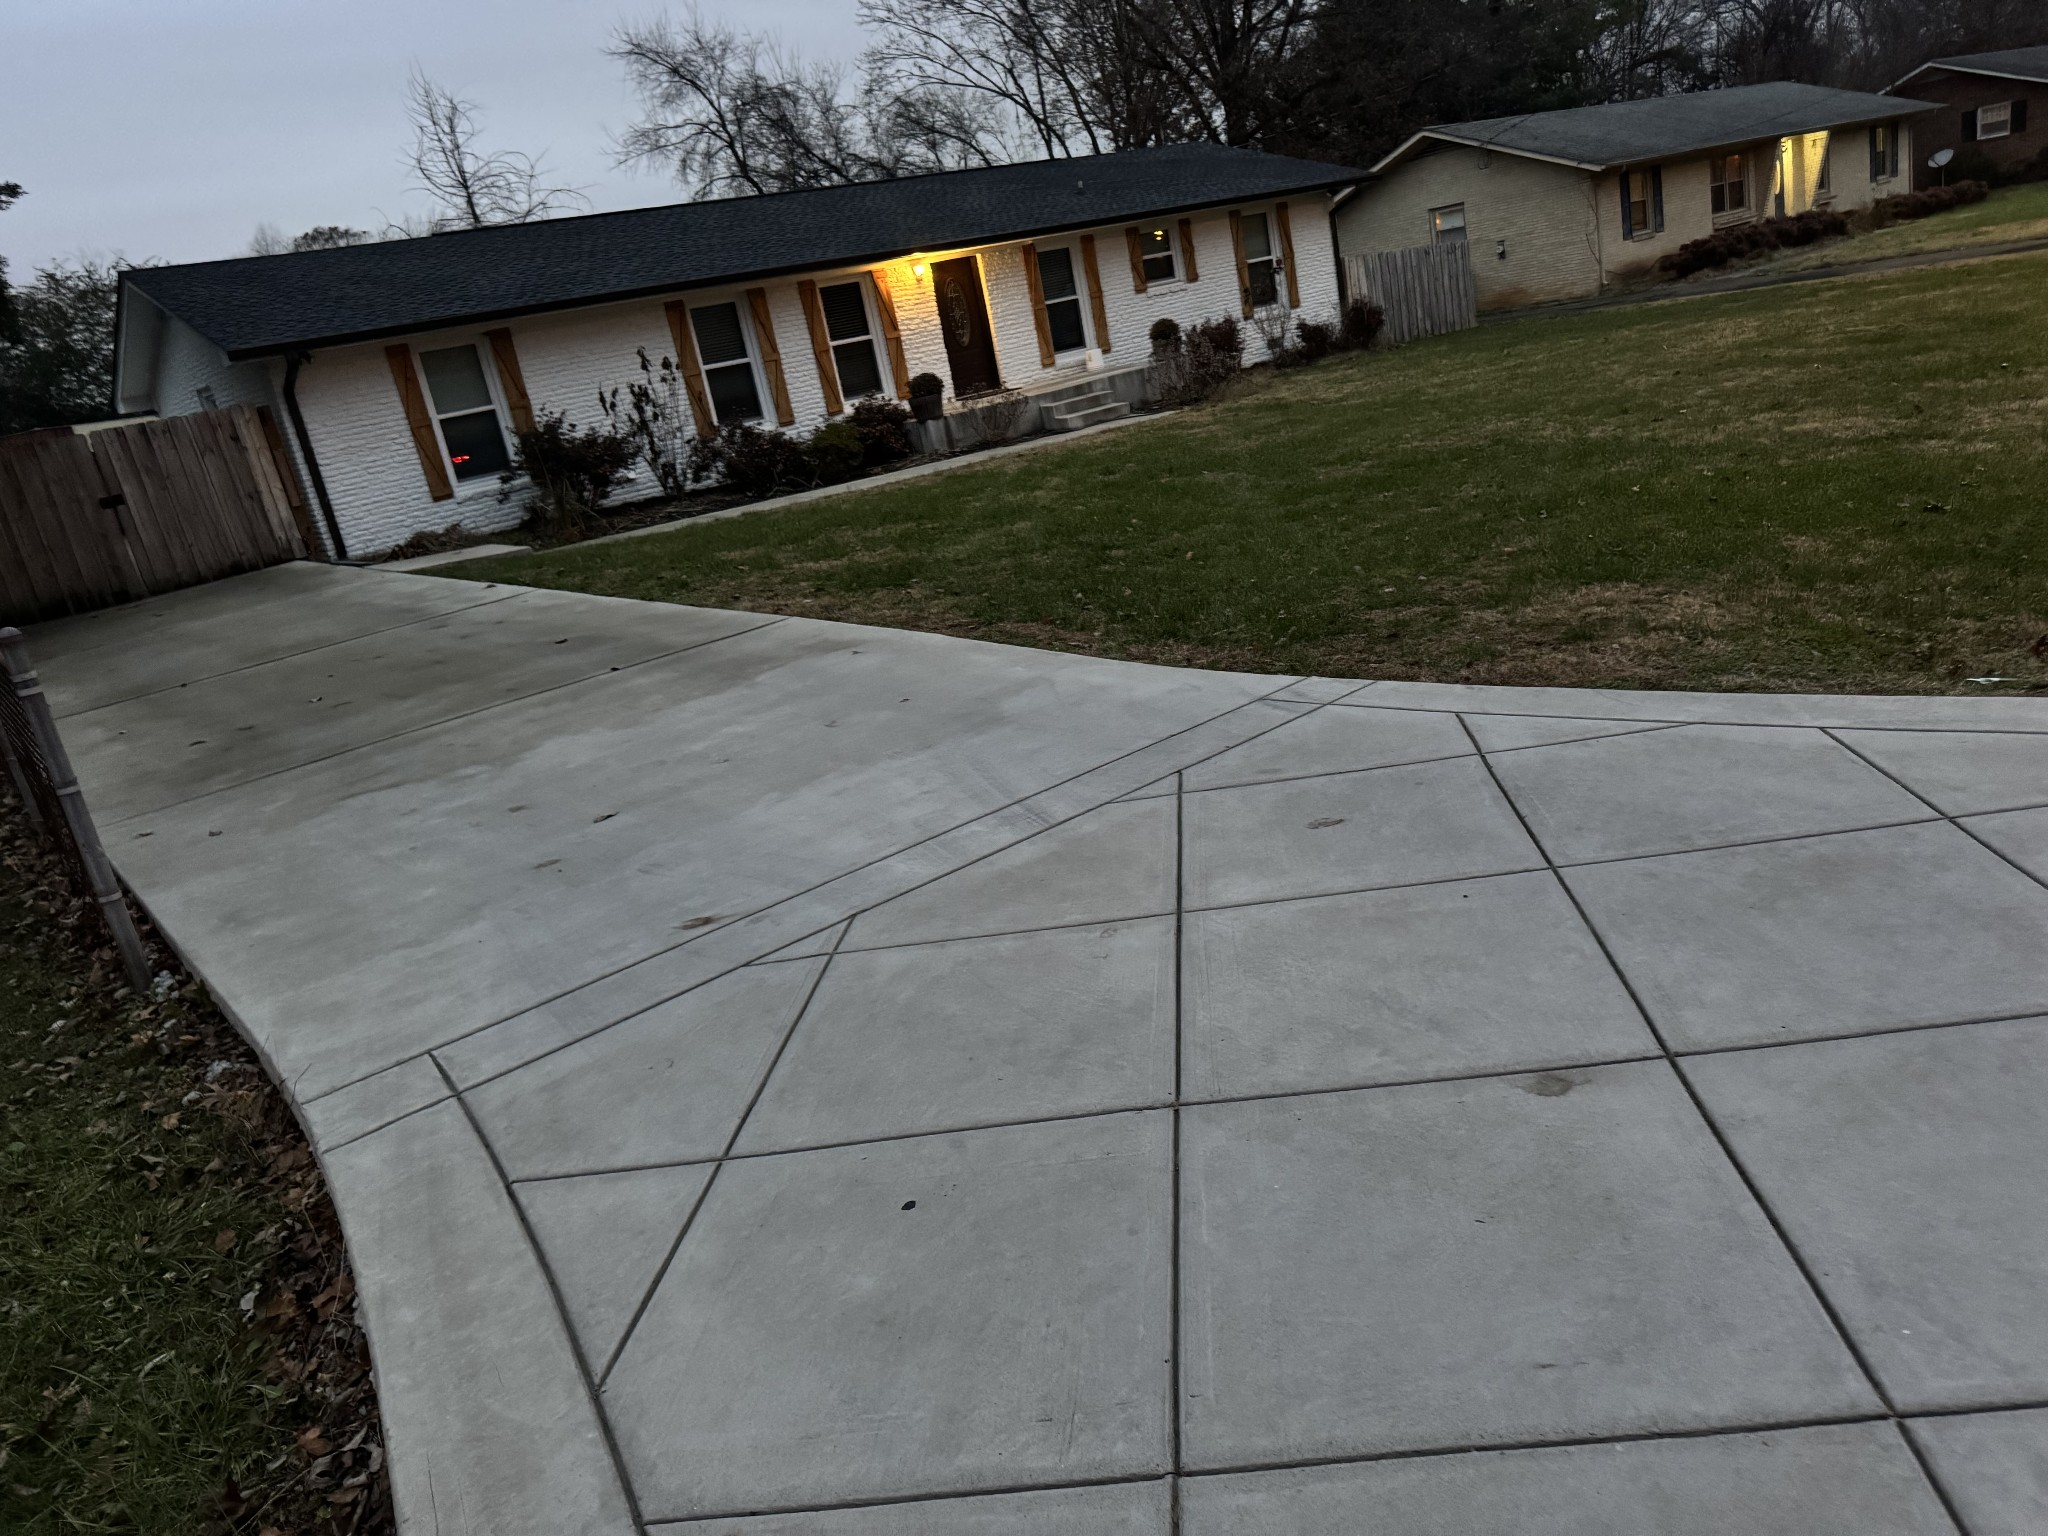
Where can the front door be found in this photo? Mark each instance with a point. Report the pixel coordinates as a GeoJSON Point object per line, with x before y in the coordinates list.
{"type": "Point", "coordinates": [963, 316]}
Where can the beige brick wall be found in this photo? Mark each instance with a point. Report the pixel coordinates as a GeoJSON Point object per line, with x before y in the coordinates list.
{"type": "Point", "coordinates": [1541, 210]}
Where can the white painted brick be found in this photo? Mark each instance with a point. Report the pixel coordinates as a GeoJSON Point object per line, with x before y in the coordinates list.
{"type": "Point", "coordinates": [379, 491]}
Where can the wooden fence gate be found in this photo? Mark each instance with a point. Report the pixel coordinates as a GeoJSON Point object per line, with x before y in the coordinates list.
{"type": "Point", "coordinates": [92, 519]}
{"type": "Point", "coordinates": [1425, 290]}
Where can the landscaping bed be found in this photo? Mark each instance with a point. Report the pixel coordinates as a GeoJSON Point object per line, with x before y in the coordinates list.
{"type": "Point", "coordinates": [180, 1351]}
{"type": "Point", "coordinates": [1833, 487]}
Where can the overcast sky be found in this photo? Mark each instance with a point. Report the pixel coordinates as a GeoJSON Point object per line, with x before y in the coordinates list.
{"type": "Point", "coordinates": [169, 129]}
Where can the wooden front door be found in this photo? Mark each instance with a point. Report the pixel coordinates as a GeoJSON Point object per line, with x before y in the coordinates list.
{"type": "Point", "coordinates": [963, 316]}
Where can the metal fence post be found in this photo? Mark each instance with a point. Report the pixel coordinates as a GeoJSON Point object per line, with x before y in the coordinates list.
{"type": "Point", "coordinates": [45, 749]}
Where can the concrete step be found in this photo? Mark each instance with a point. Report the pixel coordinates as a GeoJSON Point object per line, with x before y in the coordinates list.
{"type": "Point", "coordinates": [1066, 419]}
{"type": "Point", "coordinates": [1062, 394]}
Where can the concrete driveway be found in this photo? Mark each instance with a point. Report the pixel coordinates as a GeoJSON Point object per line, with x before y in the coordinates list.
{"type": "Point", "coordinates": [780, 1076]}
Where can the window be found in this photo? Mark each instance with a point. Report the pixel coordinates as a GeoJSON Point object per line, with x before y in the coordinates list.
{"type": "Point", "coordinates": [465, 412]}
{"type": "Point", "coordinates": [1824, 182]}
{"type": "Point", "coordinates": [1728, 183]}
{"type": "Point", "coordinates": [1447, 224]}
{"type": "Point", "coordinates": [728, 371]}
{"type": "Point", "coordinates": [1062, 299]}
{"type": "Point", "coordinates": [1157, 253]}
{"type": "Point", "coordinates": [1884, 151]}
{"type": "Point", "coordinates": [1636, 193]}
{"type": "Point", "coordinates": [853, 340]}
{"type": "Point", "coordinates": [1261, 270]}
{"type": "Point", "coordinates": [1994, 120]}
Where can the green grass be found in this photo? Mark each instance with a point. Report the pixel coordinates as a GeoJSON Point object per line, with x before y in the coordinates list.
{"type": "Point", "coordinates": [1832, 486]}
{"type": "Point", "coordinates": [131, 1224]}
{"type": "Point", "coordinates": [2009, 213]}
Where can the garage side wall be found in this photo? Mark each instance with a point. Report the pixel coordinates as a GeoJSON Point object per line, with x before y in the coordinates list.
{"type": "Point", "coordinates": [1542, 211]}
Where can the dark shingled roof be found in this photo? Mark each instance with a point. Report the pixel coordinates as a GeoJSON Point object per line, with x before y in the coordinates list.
{"type": "Point", "coordinates": [2007, 63]}
{"type": "Point", "coordinates": [267, 304]}
{"type": "Point", "coordinates": [1630, 132]}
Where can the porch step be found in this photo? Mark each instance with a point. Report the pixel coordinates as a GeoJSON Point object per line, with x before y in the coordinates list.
{"type": "Point", "coordinates": [1082, 410]}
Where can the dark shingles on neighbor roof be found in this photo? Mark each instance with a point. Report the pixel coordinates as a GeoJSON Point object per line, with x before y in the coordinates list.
{"type": "Point", "coordinates": [2012, 63]}
{"type": "Point", "coordinates": [1629, 132]}
{"type": "Point", "coordinates": [267, 304]}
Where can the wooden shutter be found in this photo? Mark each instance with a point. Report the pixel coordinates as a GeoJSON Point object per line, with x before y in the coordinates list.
{"type": "Point", "coordinates": [1287, 254]}
{"type": "Point", "coordinates": [1628, 222]}
{"type": "Point", "coordinates": [693, 371]}
{"type": "Point", "coordinates": [428, 446]}
{"type": "Point", "coordinates": [510, 379]}
{"type": "Point", "coordinates": [1132, 239]}
{"type": "Point", "coordinates": [2018, 108]}
{"type": "Point", "coordinates": [771, 355]}
{"type": "Point", "coordinates": [1657, 198]}
{"type": "Point", "coordinates": [892, 333]}
{"type": "Point", "coordinates": [821, 346]}
{"type": "Point", "coordinates": [1187, 248]}
{"type": "Point", "coordinates": [1031, 281]}
{"type": "Point", "coordinates": [1244, 273]}
{"type": "Point", "coordinates": [1095, 292]}
{"type": "Point", "coordinates": [1969, 134]}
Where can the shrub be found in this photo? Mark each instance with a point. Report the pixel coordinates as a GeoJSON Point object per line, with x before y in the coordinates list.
{"type": "Point", "coordinates": [926, 384]}
{"type": "Point", "coordinates": [882, 426]}
{"type": "Point", "coordinates": [1918, 205]}
{"type": "Point", "coordinates": [1315, 340]}
{"type": "Point", "coordinates": [657, 419]}
{"type": "Point", "coordinates": [572, 472]}
{"type": "Point", "coordinates": [1361, 323]}
{"type": "Point", "coordinates": [1210, 354]}
{"type": "Point", "coordinates": [833, 453]}
{"type": "Point", "coordinates": [749, 459]}
{"type": "Point", "coordinates": [1752, 239]}
{"type": "Point", "coordinates": [1166, 334]}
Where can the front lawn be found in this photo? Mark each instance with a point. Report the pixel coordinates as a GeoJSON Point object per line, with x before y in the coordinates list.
{"type": "Point", "coordinates": [1834, 486]}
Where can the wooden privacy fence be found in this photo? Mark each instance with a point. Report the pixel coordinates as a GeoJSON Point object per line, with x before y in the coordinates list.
{"type": "Point", "coordinates": [1424, 290]}
{"type": "Point", "coordinates": [120, 513]}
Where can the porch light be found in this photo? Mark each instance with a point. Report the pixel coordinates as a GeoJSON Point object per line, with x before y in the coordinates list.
{"type": "Point", "coordinates": [918, 269]}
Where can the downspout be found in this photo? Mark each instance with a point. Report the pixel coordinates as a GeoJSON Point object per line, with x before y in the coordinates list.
{"type": "Point", "coordinates": [291, 409]}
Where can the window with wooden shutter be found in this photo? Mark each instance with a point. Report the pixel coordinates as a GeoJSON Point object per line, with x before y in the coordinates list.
{"type": "Point", "coordinates": [464, 412]}
{"type": "Point", "coordinates": [1189, 272]}
{"type": "Point", "coordinates": [1095, 305]}
{"type": "Point", "coordinates": [406, 377]}
{"type": "Point", "coordinates": [1059, 303]}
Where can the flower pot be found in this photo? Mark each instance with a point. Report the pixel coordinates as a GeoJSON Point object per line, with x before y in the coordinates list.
{"type": "Point", "coordinates": [928, 407]}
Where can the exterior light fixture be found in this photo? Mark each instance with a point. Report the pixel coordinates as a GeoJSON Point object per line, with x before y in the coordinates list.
{"type": "Point", "coordinates": [917, 269]}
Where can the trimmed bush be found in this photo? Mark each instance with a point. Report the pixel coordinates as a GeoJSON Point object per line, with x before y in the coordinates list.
{"type": "Point", "coordinates": [1752, 239]}
{"type": "Point", "coordinates": [1361, 324]}
{"type": "Point", "coordinates": [571, 471]}
{"type": "Point", "coordinates": [833, 453]}
{"type": "Point", "coordinates": [883, 429]}
{"type": "Point", "coordinates": [1165, 334]}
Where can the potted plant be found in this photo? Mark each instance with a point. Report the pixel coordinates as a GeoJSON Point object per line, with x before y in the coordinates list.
{"type": "Point", "coordinates": [927, 396]}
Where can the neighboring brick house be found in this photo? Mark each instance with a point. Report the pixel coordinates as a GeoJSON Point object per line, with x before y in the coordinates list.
{"type": "Point", "coordinates": [1993, 112]}
{"type": "Point", "coordinates": [403, 367]}
{"type": "Point", "coordinates": [1558, 205]}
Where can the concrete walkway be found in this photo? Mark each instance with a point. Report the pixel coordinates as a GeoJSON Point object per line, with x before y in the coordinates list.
{"type": "Point", "coordinates": [786, 1077]}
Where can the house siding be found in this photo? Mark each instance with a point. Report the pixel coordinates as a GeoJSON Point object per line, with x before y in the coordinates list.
{"type": "Point", "coordinates": [1960, 93]}
{"type": "Point", "coordinates": [379, 491]}
{"type": "Point", "coordinates": [1540, 209]}
{"type": "Point", "coordinates": [187, 363]}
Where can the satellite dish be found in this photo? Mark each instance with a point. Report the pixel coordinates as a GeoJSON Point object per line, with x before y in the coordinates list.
{"type": "Point", "coordinates": [1940, 158]}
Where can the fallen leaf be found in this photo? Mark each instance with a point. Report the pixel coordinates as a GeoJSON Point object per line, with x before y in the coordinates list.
{"type": "Point", "coordinates": [224, 1240]}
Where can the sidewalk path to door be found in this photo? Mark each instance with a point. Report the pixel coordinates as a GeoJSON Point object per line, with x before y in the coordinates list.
{"type": "Point", "coordinates": [780, 1076]}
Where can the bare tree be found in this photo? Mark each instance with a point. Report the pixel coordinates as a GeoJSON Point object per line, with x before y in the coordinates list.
{"type": "Point", "coordinates": [730, 112]}
{"type": "Point", "coordinates": [473, 189]}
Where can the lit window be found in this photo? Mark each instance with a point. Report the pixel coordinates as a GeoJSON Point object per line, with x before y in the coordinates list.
{"type": "Point", "coordinates": [1447, 224]}
{"type": "Point", "coordinates": [1260, 269]}
{"type": "Point", "coordinates": [853, 341]}
{"type": "Point", "coordinates": [1994, 121]}
{"type": "Point", "coordinates": [467, 415]}
{"type": "Point", "coordinates": [1824, 183]}
{"type": "Point", "coordinates": [1156, 252]}
{"type": "Point", "coordinates": [1728, 187]}
{"type": "Point", "coordinates": [728, 371]}
{"type": "Point", "coordinates": [1062, 299]}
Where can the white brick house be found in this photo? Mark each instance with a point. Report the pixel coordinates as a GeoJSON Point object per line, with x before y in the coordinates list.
{"type": "Point", "coordinates": [1559, 205]}
{"type": "Point", "coordinates": [401, 369]}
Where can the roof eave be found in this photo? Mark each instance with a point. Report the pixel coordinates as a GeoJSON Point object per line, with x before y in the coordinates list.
{"type": "Point", "coordinates": [1964, 69]}
{"type": "Point", "coordinates": [1394, 157]}
{"type": "Point", "coordinates": [284, 345]}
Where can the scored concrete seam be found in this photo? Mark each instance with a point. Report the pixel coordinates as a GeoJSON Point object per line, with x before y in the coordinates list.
{"type": "Point", "coordinates": [1727, 1147]}
{"type": "Point", "coordinates": [547, 1272]}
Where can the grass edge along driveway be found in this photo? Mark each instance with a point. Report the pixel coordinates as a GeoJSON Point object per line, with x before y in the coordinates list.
{"type": "Point", "coordinates": [1831, 487]}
